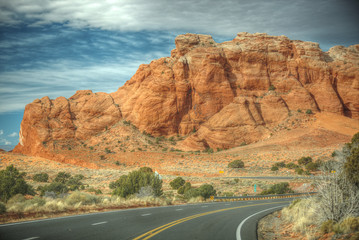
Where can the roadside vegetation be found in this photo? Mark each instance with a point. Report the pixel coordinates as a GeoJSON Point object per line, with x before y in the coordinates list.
{"type": "Point", "coordinates": [67, 194]}
{"type": "Point", "coordinates": [335, 210]}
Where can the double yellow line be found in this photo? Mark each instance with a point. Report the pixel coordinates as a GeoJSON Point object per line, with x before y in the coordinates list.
{"type": "Point", "coordinates": [156, 231]}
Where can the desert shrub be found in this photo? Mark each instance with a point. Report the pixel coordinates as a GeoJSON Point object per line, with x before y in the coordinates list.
{"type": "Point", "coordinates": [96, 191]}
{"type": "Point", "coordinates": [183, 189]}
{"type": "Point", "coordinates": [279, 188]}
{"type": "Point", "coordinates": [41, 177]}
{"type": "Point", "coordinates": [56, 187]}
{"type": "Point", "coordinates": [192, 193]}
{"type": "Point", "coordinates": [132, 183]}
{"type": "Point", "coordinates": [227, 194]}
{"type": "Point", "coordinates": [2, 208]}
{"type": "Point", "coordinates": [309, 111]}
{"type": "Point", "coordinates": [349, 225]}
{"type": "Point", "coordinates": [327, 226]}
{"type": "Point", "coordinates": [274, 168]}
{"type": "Point", "coordinates": [12, 182]}
{"type": "Point", "coordinates": [146, 169]}
{"type": "Point", "coordinates": [291, 165]}
{"type": "Point", "coordinates": [206, 190]}
{"type": "Point", "coordinates": [177, 183]}
{"type": "Point", "coordinates": [81, 198]}
{"type": "Point", "coordinates": [236, 164]}
{"type": "Point", "coordinates": [74, 183]}
{"type": "Point", "coordinates": [312, 166]}
{"type": "Point", "coordinates": [299, 171]}
{"type": "Point", "coordinates": [337, 189]}
{"type": "Point", "coordinates": [62, 177]}
{"type": "Point", "coordinates": [280, 164]}
{"type": "Point", "coordinates": [305, 160]}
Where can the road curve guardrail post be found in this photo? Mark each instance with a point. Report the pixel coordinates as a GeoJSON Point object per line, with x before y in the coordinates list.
{"type": "Point", "coordinates": [259, 197]}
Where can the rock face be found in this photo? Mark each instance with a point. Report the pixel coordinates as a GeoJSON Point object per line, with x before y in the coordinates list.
{"type": "Point", "coordinates": [227, 93]}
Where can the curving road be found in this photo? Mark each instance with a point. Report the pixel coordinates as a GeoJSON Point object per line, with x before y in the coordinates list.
{"type": "Point", "coordinates": [217, 220]}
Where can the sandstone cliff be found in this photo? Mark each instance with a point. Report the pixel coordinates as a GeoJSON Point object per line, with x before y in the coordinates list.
{"type": "Point", "coordinates": [214, 94]}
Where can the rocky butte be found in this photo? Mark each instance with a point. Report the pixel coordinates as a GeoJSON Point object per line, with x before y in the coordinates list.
{"type": "Point", "coordinates": [213, 94]}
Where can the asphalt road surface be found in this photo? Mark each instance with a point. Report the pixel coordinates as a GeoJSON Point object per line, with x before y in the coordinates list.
{"type": "Point", "coordinates": [216, 220]}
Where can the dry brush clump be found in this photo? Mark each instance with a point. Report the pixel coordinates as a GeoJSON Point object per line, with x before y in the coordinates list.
{"type": "Point", "coordinates": [336, 206]}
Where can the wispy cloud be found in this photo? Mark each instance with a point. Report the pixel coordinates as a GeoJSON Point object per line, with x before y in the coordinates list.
{"type": "Point", "coordinates": [4, 142]}
{"type": "Point", "coordinates": [1, 132]}
{"type": "Point", "coordinates": [14, 134]}
{"type": "Point", "coordinates": [298, 19]}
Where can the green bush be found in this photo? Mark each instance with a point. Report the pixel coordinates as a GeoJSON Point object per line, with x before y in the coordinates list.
{"type": "Point", "coordinates": [41, 177]}
{"type": "Point", "coordinates": [236, 164]}
{"type": "Point", "coordinates": [280, 164]}
{"type": "Point", "coordinates": [206, 190]}
{"type": "Point", "coordinates": [146, 169]}
{"type": "Point", "coordinates": [81, 197]}
{"type": "Point", "coordinates": [12, 182]}
{"type": "Point", "coordinates": [309, 111]}
{"type": "Point", "coordinates": [177, 183]}
{"type": "Point", "coordinates": [56, 187]}
{"type": "Point", "coordinates": [280, 188]}
{"type": "Point", "coordinates": [274, 168]}
{"type": "Point", "coordinates": [192, 193]}
{"type": "Point", "coordinates": [62, 177]}
{"type": "Point", "coordinates": [132, 183]}
{"type": "Point", "coordinates": [2, 208]}
{"type": "Point", "coordinates": [299, 171]}
{"type": "Point", "coordinates": [291, 165]}
{"type": "Point", "coordinates": [182, 190]}
{"type": "Point", "coordinates": [74, 183]}
{"type": "Point", "coordinates": [305, 160]}
{"type": "Point", "coordinates": [312, 166]}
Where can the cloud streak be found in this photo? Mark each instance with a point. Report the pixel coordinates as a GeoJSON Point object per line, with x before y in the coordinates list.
{"type": "Point", "coordinates": [297, 19]}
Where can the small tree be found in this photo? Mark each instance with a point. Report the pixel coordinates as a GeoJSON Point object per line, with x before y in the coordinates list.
{"type": "Point", "coordinates": [305, 160]}
{"type": "Point", "coordinates": [274, 168]}
{"type": "Point", "coordinates": [206, 190]}
{"type": "Point", "coordinates": [41, 177]}
{"type": "Point", "coordinates": [177, 183]}
{"type": "Point", "coordinates": [132, 183]}
{"type": "Point", "coordinates": [62, 177]}
{"type": "Point", "coordinates": [236, 164]}
{"type": "Point", "coordinates": [182, 190]}
{"type": "Point", "coordinates": [280, 188]}
{"type": "Point", "coordinates": [12, 182]}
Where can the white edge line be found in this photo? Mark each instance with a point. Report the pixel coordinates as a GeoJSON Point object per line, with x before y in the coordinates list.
{"type": "Point", "coordinates": [238, 232]}
{"type": "Point", "coordinates": [94, 224]}
{"type": "Point", "coordinates": [179, 209]}
{"type": "Point", "coordinates": [31, 238]}
{"type": "Point", "coordinates": [146, 214]}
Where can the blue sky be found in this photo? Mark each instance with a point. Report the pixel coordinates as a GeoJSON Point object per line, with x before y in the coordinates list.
{"type": "Point", "coordinates": [55, 47]}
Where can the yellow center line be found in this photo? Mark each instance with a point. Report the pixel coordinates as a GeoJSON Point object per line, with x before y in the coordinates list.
{"type": "Point", "coordinates": [157, 230]}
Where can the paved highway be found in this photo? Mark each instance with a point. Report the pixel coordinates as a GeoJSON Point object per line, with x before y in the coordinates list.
{"type": "Point", "coordinates": [217, 220]}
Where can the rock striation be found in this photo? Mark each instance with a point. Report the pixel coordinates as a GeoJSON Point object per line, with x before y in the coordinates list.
{"type": "Point", "coordinates": [218, 95]}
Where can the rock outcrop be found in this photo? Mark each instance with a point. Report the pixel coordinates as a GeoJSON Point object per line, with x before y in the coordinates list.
{"type": "Point", "coordinates": [227, 93]}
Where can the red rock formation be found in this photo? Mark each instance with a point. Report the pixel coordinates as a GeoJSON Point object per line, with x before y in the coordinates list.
{"type": "Point", "coordinates": [230, 92]}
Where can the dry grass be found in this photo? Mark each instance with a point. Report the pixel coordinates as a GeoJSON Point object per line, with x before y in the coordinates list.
{"type": "Point", "coordinates": [303, 214]}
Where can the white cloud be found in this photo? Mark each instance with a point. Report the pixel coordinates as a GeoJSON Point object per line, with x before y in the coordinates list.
{"type": "Point", "coordinates": [14, 134]}
{"type": "Point", "coordinates": [21, 87]}
{"type": "Point", "coordinates": [4, 141]}
{"type": "Point", "coordinates": [225, 17]}
{"type": "Point", "coordinates": [1, 132]}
